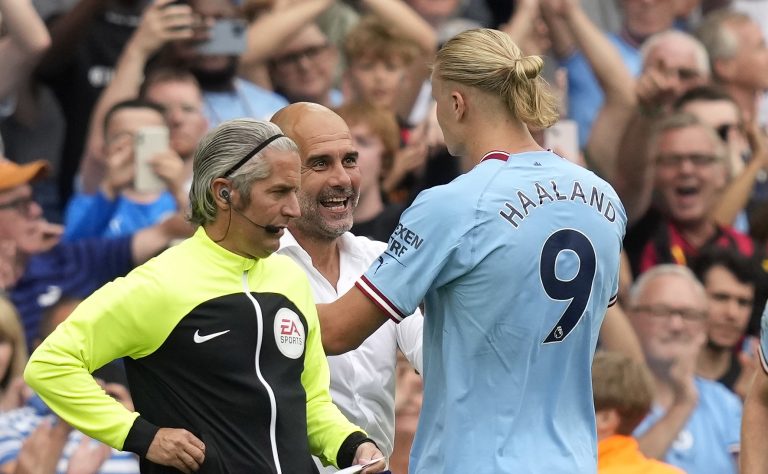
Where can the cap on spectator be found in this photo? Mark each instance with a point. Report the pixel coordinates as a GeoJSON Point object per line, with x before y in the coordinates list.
{"type": "Point", "coordinates": [13, 174]}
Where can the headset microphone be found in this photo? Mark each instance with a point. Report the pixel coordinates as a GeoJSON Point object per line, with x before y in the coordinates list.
{"type": "Point", "coordinates": [270, 229]}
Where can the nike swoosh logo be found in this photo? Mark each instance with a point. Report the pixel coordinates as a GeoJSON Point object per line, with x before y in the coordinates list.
{"type": "Point", "coordinates": [199, 339]}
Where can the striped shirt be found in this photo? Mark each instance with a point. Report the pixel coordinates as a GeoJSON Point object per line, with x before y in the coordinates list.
{"type": "Point", "coordinates": [17, 425]}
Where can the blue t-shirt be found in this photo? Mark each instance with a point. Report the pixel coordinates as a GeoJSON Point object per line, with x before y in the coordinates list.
{"type": "Point", "coordinates": [246, 100]}
{"type": "Point", "coordinates": [585, 96]}
{"type": "Point", "coordinates": [93, 215]}
{"type": "Point", "coordinates": [710, 438]}
{"type": "Point", "coordinates": [516, 261]}
{"type": "Point", "coordinates": [74, 269]}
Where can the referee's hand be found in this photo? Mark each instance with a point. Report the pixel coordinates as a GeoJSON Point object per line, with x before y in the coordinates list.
{"type": "Point", "coordinates": [177, 448]}
{"type": "Point", "coordinates": [367, 452]}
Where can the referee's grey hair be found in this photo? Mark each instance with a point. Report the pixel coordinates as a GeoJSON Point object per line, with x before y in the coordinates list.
{"type": "Point", "coordinates": [666, 269]}
{"type": "Point", "coordinates": [221, 149]}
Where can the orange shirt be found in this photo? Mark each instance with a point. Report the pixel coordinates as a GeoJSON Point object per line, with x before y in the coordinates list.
{"type": "Point", "coordinates": [621, 455]}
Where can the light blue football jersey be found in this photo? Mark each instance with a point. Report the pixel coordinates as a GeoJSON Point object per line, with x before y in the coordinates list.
{"type": "Point", "coordinates": [516, 262]}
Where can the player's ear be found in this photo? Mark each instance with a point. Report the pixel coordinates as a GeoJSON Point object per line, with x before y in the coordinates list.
{"type": "Point", "coordinates": [458, 104]}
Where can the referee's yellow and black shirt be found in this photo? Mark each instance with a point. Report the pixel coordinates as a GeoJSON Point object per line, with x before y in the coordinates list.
{"type": "Point", "coordinates": [226, 347]}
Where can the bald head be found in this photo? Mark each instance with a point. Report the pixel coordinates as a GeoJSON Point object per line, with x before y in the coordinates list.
{"type": "Point", "coordinates": [330, 177]}
{"type": "Point", "coordinates": [307, 123]}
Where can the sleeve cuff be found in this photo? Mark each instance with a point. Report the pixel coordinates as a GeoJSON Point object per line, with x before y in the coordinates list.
{"type": "Point", "coordinates": [348, 448]}
{"type": "Point", "coordinates": [140, 437]}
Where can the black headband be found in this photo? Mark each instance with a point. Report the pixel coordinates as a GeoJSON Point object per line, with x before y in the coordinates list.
{"type": "Point", "coordinates": [250, 155]}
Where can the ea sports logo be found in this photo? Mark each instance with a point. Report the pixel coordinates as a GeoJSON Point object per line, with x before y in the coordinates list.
{"type": "Point", "coordinates": [289, 333]}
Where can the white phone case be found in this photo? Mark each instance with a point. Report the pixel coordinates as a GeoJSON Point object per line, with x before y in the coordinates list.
{"type": "Point", "coordinates": [148, 142]}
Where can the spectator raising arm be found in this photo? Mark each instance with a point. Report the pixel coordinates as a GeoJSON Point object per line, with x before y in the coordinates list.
{"type": "Point", "coordinates": [612, 75]}
{"type": "Point", "coordinates": [25, 40]}
{"type": "Point", "coordinates": [738, 191]}
{"type": "Point", "coordinates": [270, 30]}
{"type": "Point", "coordinates": [162, 22]}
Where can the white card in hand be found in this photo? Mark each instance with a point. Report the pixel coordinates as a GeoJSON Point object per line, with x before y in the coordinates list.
{"type": "Point", "coordinates": [358, 467]}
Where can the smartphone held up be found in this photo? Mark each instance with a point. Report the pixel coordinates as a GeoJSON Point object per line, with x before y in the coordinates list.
{"type": "Point", "coordinates": [149, 141]}
{"type": "Point", "coordinates": [226, 38]}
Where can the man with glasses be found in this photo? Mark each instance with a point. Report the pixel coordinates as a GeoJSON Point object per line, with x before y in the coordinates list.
{"type": "Point", "coordinates": [747, 188]}
{"type": "Point", "coordinates": [37, 269]}
{"type": "Point", "coordinates": [694, 422]}
{"type": "Point", "coordinates": [303, 69]}
{"type": "Point", "coordinates": [686, 173]}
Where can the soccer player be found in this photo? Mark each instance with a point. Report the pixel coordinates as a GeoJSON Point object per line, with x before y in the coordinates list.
{"type": "Point", "coordinates": [516, 261]}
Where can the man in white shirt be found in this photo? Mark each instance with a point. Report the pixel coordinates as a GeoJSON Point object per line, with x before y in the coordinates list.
{"type": "Point", "coordinates": [362, 380]}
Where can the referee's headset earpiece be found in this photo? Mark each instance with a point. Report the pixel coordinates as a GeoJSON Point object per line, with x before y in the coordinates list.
{"type": "Point", "coordinates": [224, 193]}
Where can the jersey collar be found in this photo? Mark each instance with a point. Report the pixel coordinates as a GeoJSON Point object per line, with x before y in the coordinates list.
{"type": "Point", "coordinates": [495, 155]}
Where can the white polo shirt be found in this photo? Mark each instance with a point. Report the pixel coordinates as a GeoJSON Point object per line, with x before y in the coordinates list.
{"type": "Point", "coordinates": [363, 380]}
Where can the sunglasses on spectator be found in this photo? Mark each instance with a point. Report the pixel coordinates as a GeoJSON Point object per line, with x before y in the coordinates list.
{"type": "Point", "coordinates": [311, 53]}
{"type": "Point", "coordinates": [665, 312]}
{"type": "Point", "coordinates": [698, 159]}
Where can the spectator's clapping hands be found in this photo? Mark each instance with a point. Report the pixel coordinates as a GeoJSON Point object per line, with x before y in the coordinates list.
{"type": "Point", "coordinates": [410, 158]}
{"type": "Point", "coordinates": [15, 395]}
{"type": "Point", "coordinates": [656, 89]}
{"type": "Point", "coordinates": [88, 457]}
{"type": "Point", "coordinates": [748, 361]}
{"type": "Point", "coordinates": [683, 370]}
{"type": "Point", "coordinates": [40, 452]}
{"type": "Point", "coordinates": [162, 22]}
{"type": "Point", "coordinates": [558, 8]}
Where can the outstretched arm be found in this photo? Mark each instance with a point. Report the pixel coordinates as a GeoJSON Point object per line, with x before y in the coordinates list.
{"type": "Point", "coordinates": [348, 321]}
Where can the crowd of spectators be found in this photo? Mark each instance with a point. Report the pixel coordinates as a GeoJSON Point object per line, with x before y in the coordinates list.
{"type": "Point", "coordinates": [665, 99]}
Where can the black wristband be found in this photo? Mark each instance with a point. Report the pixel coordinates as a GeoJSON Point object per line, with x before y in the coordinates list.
{"type": "Point", "coordinates": [140, 436]}
{"type": "Point", "coordinates": [348, 448]}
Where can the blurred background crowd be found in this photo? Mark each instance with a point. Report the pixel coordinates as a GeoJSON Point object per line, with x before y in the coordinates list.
{"type": "Point", "coordinates": [102, 103]}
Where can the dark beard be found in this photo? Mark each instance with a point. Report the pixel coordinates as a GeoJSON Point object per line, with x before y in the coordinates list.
{"type": "Point", "coordinates": [217, 80]}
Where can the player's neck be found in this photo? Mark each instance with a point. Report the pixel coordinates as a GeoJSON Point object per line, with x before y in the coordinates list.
{"type": "Point", "coordinates": [507, 137]}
